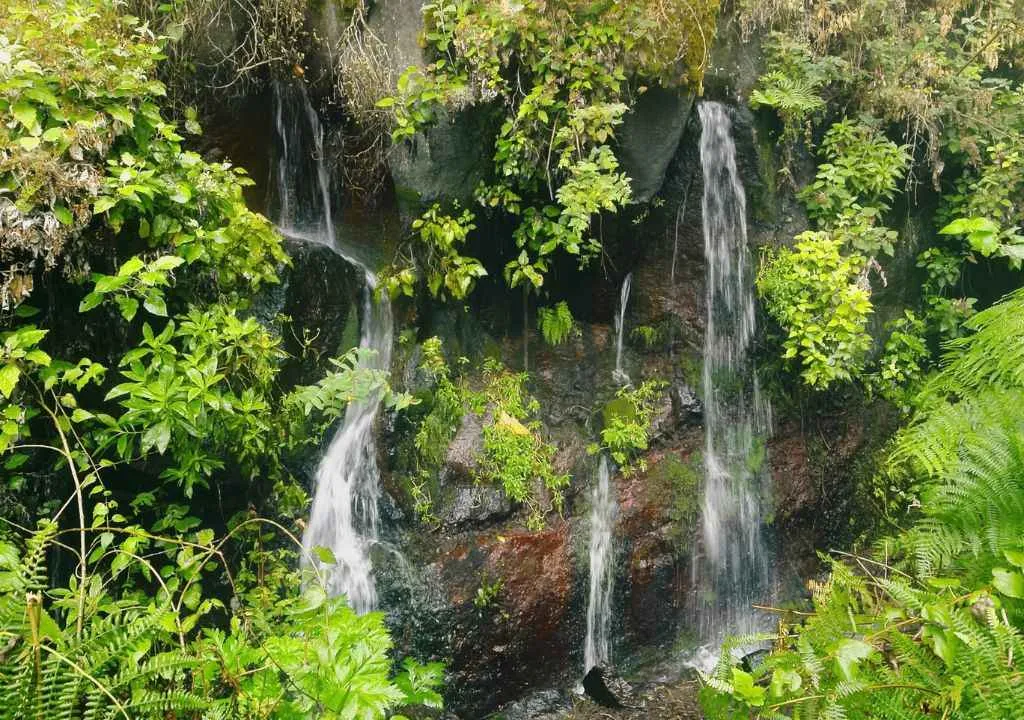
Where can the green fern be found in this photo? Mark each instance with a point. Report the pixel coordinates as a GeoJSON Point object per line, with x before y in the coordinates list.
{"type": "Point", "coordinates": [556, 323]}
{"type": "Point", "coordinates": [108, 670]}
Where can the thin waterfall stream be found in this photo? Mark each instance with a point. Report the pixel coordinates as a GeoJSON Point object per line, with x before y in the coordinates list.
{"type": "Point", "coordinates": [733, 572]}
{"type": "Point", "coordinates": [344, 516]}
{"type": "Point", "coordinates": [599, 607]}
{"type": "Point", "coordinates": [619, 375]}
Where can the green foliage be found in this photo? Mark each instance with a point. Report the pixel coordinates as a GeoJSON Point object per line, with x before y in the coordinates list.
{"type": "Point", "coordinates": [901, 366]}
{"type": "Point", "coordinates": [514, 454]}
{"type": "Point", "coordinates": [83, 651]}
{"type": "Point", "coordinates": [563, 75]}
{"type": "Point", "coordinates": [932, 623]}
{"type": "Point", "coordinates": [862, 170]}
{"type": "Point", "coordinates": [488, 592]}
{"type": "Point", "coordinates": [436, 254]}
{"type": "Point", "coordinates": [85, 147]}
{"type": "Point", "coordinates": [627, 422]}
{"type": "Point", "coordinates": [943, 79]}
{"type": "Point", "coordinates": [438, 428]}
{"type": "Point", "coordinates": [136, 620]}
{"type": "Point", "coordinates": [817, 296]}
{"type": "Point", "coordinates": [556, 323]}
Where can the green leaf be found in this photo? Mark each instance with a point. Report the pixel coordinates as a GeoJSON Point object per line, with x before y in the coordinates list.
{"type": "Point", "coordinates": [25, 113]}
{"type": "Point", "coordinates": [103, 203]}
{"type": "Point", "coordinates": [1008, 582]}
{"type": "Point", "coordinates": [155, 304]}
{"type": "Point", "coordinates": [1014, 556]}
{"type": "Point", "coordinates": [131, 266]}
{"type": "Point", "coordinates": [90, 301]}
{"type": "Point", "coordinates": [121, 114]}
{"type": "Point", "coordinates": [166, 262]}
{"type": "Point", "coordinates": [109, 283]}
{"type": "Point", "coordinates": [128, 306]}
{"type": "Point", "coordinates": [9, 375]}
{"type": "Point", "coordinates": [848, 653]}
{"type": "Point", "coordinates": [325, 555]}
{"type": "Point", "coordinates": [63, 214]}
{"type": "Point", "coordinates": [744, 688]}
{"type": "Point", "coordinates": [785, 681]}
{"type": "Point", "coordinates": [158, 436]}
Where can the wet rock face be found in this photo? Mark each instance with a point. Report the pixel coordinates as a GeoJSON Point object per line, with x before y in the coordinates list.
{"type": "Point", "coordinates": [658, 515]}
{"type": "Point", "coordinates": [649, 137]}
{"type": "Point", "coordinates": [321, 294]}
{"type": "Point", "coordinates": [519, 632]}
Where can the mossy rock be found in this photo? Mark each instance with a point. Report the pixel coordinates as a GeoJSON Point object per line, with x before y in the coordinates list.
{"type": "Point", "coordinates": [619, 408]}
{"type": "Point", "coordinates": [675, 484]}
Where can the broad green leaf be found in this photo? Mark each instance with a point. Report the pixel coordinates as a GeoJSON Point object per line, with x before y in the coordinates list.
{"type": "Point", "coordinates": [744, 688]}
{"type": "Point", "coordinates": [121, 114]}
{"type": "Point", "coordinates": [325, 555]}
{"type": "Point", "coordinates": [103, 204]}
{"type": "Point", "coordinates": [1008, 582]}
{"type": "Point", "coordinates": [90, 301]}
{"type": "Point", "coordinates": [1014, 556]}
{"type": "Point", "coordinates": [25, 113]}
{"type": "Point", "coordinates": [155, 304]}
{"type": "Point", "coordinates": [63, 214]}
{"type": "Point", "coordinates": [9, 375]}
{"type": "Point", "coordinates": [166, 262]}
{"type": "Point", "coordinates": [131, 266]}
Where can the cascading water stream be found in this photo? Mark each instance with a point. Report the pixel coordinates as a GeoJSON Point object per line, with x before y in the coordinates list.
{"type": "Point", "coordinates": [619, 375]}
{"type": "Point", "coordinates": [734, 570]}
{"type": "Point", "coordinates": [599, 609]}
{"type": "Point", "coordinates": [344, 517]}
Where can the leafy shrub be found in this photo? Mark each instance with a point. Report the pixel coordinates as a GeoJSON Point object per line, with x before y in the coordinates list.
{"type": "Point", "coordinates": [438, 258]}
{"type": "Point", "coordinates": [817, 296]}
{"type": "Point", "coordinates": [576, 66]}
{"type": "Point", "coordinates": [627, 422]}
{"type": "Point", "coordinates": [514, 454]}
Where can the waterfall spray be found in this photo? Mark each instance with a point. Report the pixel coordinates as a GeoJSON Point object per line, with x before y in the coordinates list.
{"type": "Point", "coordinates": [734, 571]}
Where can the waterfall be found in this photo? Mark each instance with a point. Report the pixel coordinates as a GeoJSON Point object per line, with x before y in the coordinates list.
{"type": "Point", "coordinates": [734, 571]}
{"type": "Point", "coordinates": [599, 609]}
{"type": "Point", "coordinates": [619, 375]}
{"type": "Point", "coordinates": [344, 516]}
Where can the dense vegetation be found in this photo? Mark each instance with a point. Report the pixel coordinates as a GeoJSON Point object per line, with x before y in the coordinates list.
{"type": "Point", "coordinates": [929, 624]}
{"type": "Point", "coordinates": [142, 383]}
{"type": "Point", "coordinates": [148, 613]}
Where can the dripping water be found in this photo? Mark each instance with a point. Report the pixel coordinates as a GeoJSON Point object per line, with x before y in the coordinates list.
{"type": "Point", "coordinates": [734, 570]}
{"type": "Point", "coordinates": [344, 517]}
{"type": "Point", "coordinates": [599, 607]}
{"type": "Point", "coordinates": [619, 375]}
